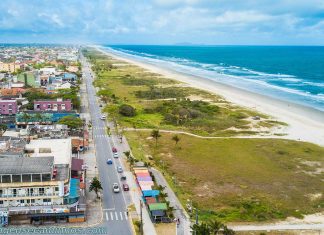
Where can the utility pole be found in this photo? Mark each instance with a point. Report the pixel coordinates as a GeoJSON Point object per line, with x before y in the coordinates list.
{"type": "Point", "coordinates": [141, 228]}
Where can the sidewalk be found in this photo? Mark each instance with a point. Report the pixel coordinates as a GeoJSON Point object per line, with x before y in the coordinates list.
{"type": "Point", "coordinates": [179, 211]}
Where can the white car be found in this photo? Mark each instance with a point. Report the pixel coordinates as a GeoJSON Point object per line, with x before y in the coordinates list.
{"type": "Point", "coordinates": [116, 188]}
{"type": "Point", "coordinates": [115, 154]}
{"type": "Point", "coordinates": [103, 117]}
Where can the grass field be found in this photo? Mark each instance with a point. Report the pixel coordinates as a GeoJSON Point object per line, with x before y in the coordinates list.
{"type": "Point", "coordinates": [167, 104]}
{"type": "Point", "coordinates": [239, 179]}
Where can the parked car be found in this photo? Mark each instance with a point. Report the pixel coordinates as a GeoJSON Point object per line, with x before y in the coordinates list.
{"type": "Point", "coordinates": [115, 155]}
{"type": "Point", "coordinates": [103, 117]}
{"type": "Point", "coordinates": [125, 187]}
{"type": "Point", "coordinates": [114, 150]}
{"type": "Point", "coordinates": [119, 169]}
{"type": "Point", "coordinates": [116, 188]}
{"type": "Point", "coordinates": [109, 161]}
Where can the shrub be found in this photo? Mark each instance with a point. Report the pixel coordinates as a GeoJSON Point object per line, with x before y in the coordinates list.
{"type": "Point", "coordinates": [127, 110]}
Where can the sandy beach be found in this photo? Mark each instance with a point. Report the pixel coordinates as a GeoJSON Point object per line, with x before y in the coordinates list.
{"type": "Point", "coordinates": [305, 124]}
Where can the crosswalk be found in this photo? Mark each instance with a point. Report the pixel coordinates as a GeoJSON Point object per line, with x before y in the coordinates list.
{"type": "Point", "coordinates": [115, 215]}
{"type": "Point", "coordinates": [101, 136]}
{"type": "Point", "coordinates": [99, 128]}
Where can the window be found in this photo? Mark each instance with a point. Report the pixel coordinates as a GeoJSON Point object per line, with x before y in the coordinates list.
{"type": "Point", "coordinates": [14, 192]}
{"type": "Point", "coordinates": [16, 178]}
{"type": "Point", "coordinates": [1, 202]}
{"type": "Point", "coordinates": [6, 179]}
{"type": "Point", "coordinates": [49, 106]}
{"type": "Point", "coordinates": [30, 191]}
{"type": "Point", "coordinates": [28, 201]}
{"type": "Point", "coordinates": [41, 191]}
{"type": "Point", "coordinates": [37, 106]}
{"type": "Point", "coordinates": [32, 200]}
{"type": "Point", "coordinates": [47, 200]}
{"type": "Point", "coordinates": [56, 188]}
{"type": "Point", "coordinates": [1, 192]}
{"type": "Point", "coordinates": [22, 201]}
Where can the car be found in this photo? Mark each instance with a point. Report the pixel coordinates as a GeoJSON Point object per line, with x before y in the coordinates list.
{"type": "Point", "coordinates": [116, 188]}
{"type": "Point", "coordinates": [125, 187]}
{"type": "Point", "coordinates": [109, 161]}
{"type": "Point", "coordinates": [115, 155]}
{"type": "Point", "coordinates": [100, 105]}
{"type": "Point", "coordinates": [103, 117]}
{"type": "Point", "coordinates": [114, 150]}
{"type": "Point", "coordinates": [119, 169]}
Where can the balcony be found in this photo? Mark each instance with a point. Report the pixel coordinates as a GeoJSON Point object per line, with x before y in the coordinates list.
{"type": "Point", "coordinates": [28, 195]}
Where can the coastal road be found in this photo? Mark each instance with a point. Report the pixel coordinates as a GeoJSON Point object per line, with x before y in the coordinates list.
{"type": "Point", "coordinates": [113, 204]}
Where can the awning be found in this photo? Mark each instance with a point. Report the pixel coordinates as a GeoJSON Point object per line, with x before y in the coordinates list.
{"type": "Point", "coordinates": [76, 164]}
{"type": "Point", "coordinates": [142, 174]}
{"type": "Point", "coordinates": [146, 187]}
{"type": "Point", "coordinates": [74, 188]}
{"type": "Point", "coordinates": [158, 206]}
{"type": "Point", "coordinates": [158, 213]}
{"type": "Point", "coordinates": [151, 183]}
{"type": "Point", "coordinates": [144, 179]}
{"type": "Point", "coordinates": [151, 193]}
{"type": "Point", "coordinates": [150, 200]}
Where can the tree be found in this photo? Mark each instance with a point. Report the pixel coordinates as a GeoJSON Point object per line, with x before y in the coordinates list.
{"type": "Point", "coordinates": [227, 231]}
{"type": "Point", "coordinates": [201, 229]}
{"type": "Point", "coordinates": [25, 117]}
{"type": "Point", "coordinates": [71, 121]}
{"type": "Point", "coordinates": [3, 129]}
{"type": "Point", "coordinates": [156, 135]}
{"type": "Point", "coordinates": [215, 226]}
{"type": "Point", "coordinates": [127, 110]}
{"type": "Point", "coordinates": [176, 139]}
{"type": "Point", "coordinates": [95, 186]}
{"type": "Point", "coordinates": [39, 117]}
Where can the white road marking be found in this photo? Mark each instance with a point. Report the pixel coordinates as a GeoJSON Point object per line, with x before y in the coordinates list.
{"type": "Point", "coordinates": [116, 215]}
{"type": "Point", "coordinates": [121, 216]}
{"type": "Point", "coordinates": [126, 217]}
{"type": "Point", "coordinates": [107, 218]}
{"type": "Point", "coordinates": [111, 216]}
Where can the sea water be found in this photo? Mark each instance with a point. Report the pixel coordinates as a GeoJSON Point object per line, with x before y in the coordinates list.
{"type": "Point", "coordinates": [291, 73]}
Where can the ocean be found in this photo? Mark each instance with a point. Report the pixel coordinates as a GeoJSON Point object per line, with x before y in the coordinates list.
{"type": "Point", "coordinates": [289, 73]}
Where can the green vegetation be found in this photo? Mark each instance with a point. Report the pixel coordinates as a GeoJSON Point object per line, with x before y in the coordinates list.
{"type": "Point", "coordinates": [71, 121]}
{"type": "Point", "coordinates": [95, 186]}
{"type": "Point", "coordinates": [35, 94]}
{"type": "Point", "coordinates": [238, 179]}
{"type": "Point", "coordinates": [163, 103]}
{"type": "Point", "coordinates": [211, 227]}
{"type": "Point", "coordinates": [3, 129]}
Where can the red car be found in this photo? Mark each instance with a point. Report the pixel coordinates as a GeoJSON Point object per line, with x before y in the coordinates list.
{"type": "Point", "coordinates": [125, 187]}
{"type": "Point", "coordinates": [114, 150]}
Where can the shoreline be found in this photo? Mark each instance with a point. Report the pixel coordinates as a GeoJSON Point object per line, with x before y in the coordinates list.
{"type": "Point", "coordinates": [305, 123]}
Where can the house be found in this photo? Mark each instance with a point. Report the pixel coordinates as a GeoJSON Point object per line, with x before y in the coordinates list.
{"type": "Point", "coordinates": [72, 68]}
{"type": "Point", "coordinates": [14, 91]}
{"type": "Point", "coordinates": [48, 70]}
{"type": "Point", "coordinates": [53, 105]}
{"type": "Point", "coordinates": [8, 107]}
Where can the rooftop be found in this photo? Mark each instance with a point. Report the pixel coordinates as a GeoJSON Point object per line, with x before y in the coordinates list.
{"type": "Point", "coordinates": [61, 149]}
{"type": "Point", "coordinates": [24, 165]}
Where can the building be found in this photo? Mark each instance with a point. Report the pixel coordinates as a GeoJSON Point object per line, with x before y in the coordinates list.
{"type": "Point", "coordinates": [9, 67]}
{"type": "Point", "coordinates": [39, 185]}
{"type": "Point", "coordinates": [8, 107]}
{"type": "Point", "coordinates": [53, 105]}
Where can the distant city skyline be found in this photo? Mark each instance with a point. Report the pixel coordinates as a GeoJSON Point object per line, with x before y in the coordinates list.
{"type": "Point", "coordinates": [222, 22]}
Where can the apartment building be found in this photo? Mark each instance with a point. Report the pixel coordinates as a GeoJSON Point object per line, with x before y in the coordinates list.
{"type": "Point", "coordinates": [40, 181]}
{"type": "Point", "coordinates": [53, 105]}
{"type": "Point", "coordinates": [8, 107]}
{"type": "Point", "coordinates": [9, 67]}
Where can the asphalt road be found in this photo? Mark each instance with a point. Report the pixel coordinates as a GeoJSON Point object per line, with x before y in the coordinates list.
{"type": "Point", "coordinates": [113, 204]}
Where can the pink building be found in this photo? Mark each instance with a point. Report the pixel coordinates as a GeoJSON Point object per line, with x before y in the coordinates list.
{"type": "Point", "coordinates": [53, 105]}
{"type": "Point", "coordinates": [8, 107]}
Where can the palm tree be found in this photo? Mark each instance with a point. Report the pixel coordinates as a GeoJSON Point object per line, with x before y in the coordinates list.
{"type": "Point", "coordinates": [215, 226]}
{"type": "Point", "coordinates": [176, 139]}
{"type": "Point", "coordinates": [201, 229]}
{"type": "Point", "coordinates": [95, 186]}
{"type": "Point", "coordinates": [156, 135]}
{"type": "Point", "coordinates": [227, 231]}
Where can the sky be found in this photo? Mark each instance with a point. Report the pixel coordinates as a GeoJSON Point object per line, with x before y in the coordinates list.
{"type": "Point", "coordinates": [216, 22]}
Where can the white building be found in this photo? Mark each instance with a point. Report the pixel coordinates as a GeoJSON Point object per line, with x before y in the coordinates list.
{"type": "Point", "coordinates": [39, 180]}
